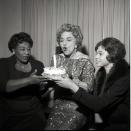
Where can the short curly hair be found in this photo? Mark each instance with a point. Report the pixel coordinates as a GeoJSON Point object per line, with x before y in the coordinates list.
{"type": "Point", "coordinates": [76, 31]}
{"type": "Point", "coordinates": [114, 47]}
{"type": "Point", "coordinates": [19, 38]}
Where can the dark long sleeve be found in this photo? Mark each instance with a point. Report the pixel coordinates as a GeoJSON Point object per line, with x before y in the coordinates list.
{"type": "Point", "coordinates": [3, 74]}
{"type": "Point", "coordinates": [7, 67]}
{"type": "Point", "coordinates": [107, 100]}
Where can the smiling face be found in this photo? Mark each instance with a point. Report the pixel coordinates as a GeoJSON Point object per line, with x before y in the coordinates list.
{"type": "Point", "coordinates": [68, 43]}
{"type": "Point", "coordinates": [23, 52]}
{"type": "Point", "coordinates": [101, 57]}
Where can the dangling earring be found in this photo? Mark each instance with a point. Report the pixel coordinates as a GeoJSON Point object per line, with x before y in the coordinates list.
{"type": "Point", "coordinates": [13, 52]}
{"type": "Point", "coordinates": [76, 47]}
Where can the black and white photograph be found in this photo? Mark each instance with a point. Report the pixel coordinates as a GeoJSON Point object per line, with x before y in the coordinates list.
{"type": "Point", "coordinates": [65, 65]}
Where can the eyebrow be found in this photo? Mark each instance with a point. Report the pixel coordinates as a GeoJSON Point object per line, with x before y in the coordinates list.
{"type": "Point", "coordinates": [23, 47]}
{"type": "Point", "coordinates": [99, 51]}
{"type": "Point", "coordinates": [67, 37]}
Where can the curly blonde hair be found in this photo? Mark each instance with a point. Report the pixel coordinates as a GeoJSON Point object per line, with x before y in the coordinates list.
{"type": "Point", "coordinates": [76, 31]}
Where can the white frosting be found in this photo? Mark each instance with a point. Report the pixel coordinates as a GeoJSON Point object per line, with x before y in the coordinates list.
{"type": "Point", "coordinates": [54, 71]}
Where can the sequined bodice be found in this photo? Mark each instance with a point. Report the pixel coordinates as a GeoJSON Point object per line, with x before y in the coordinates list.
{"type": "Point", "coordinates": [81, 69]}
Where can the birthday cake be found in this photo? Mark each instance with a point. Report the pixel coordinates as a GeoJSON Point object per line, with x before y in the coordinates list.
{"type": "Point", "coordinates": [54, 72]}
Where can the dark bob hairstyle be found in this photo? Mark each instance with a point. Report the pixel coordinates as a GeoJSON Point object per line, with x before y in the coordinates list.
{"type": "Point", "coordinates": [19, 38]}
{"type": "Point", "coordinates": [114, 47]}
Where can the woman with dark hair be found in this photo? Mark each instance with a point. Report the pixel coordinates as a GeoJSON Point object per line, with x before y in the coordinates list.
{"type": "Point", "coordinates": [65, 114]}
{"type": "Point", "coordinates": [20, 78]}
{"type": "Point", "coordinates": [110, 102]}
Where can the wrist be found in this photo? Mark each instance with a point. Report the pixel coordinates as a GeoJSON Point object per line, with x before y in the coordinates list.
{"type": "Point", "coordinates": [30, 80]}
{"type": "Point", "coordinates": [74, 88]}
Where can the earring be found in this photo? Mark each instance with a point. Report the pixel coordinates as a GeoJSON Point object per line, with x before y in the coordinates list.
{"type": "Point", "coordinates": [13, 52]}
{"type": "Point", "coordinates": [75, 46]}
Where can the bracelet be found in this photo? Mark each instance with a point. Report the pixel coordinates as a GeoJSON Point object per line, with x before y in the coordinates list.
{"type": "Point", "coordinates": [78, 83]}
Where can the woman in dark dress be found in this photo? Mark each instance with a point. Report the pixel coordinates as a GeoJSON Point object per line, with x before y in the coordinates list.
{"type": "Point", "coordinates": [110, 103]}
{"type": "Point", "coordinates": [20, 77]}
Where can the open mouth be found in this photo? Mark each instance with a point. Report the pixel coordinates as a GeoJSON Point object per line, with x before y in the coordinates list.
{"type": "Point", "coordinates": [26, 57]}
{"type": "Point", "coordinates": [64, 49]}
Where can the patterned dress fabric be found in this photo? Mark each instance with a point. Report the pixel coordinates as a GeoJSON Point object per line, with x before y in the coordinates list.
{"type": "Point", "coordinates": [64, 114]}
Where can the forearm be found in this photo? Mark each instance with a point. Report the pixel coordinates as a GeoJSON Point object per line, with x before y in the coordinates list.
{"type": "Point", "coordinates": [13, 85]}
{"type": "Point", "coordinates": [83, 85]}
{"type": "Point", "coordinates": [97, 103]}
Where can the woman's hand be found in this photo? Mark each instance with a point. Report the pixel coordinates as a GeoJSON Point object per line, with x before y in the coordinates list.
{"type": "Point", "coordinates": [81, 84]}
{"type": "Point", "coordinates": [67, 83]}
{"type": "Point", "coordinates": [35, 79]}
{"type": "Point", "coordinates": [16, 84]}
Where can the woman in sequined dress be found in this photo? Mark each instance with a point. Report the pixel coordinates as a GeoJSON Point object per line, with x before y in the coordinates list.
{"type": "Point", "coordinates": [66, 114]}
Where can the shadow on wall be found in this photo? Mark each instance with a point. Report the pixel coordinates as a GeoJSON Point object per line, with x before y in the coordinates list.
{"type": "Point", "coordinates": [84, 50]}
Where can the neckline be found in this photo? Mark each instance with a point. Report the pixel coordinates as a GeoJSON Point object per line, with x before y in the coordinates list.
{"type": "Point", "coordinates": [23, 71]}
{"type": "Point", "coordinates": [77, 58]}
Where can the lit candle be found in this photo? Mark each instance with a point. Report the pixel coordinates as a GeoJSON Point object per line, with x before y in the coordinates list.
{"type": "Point", "coordinates": [54, 59]}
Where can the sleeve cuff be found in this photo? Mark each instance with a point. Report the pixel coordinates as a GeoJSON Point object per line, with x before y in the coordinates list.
{"type": "Point", "coordinates": [78, 94]}
{"type": "Point", "coordinates": [3, 86]}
